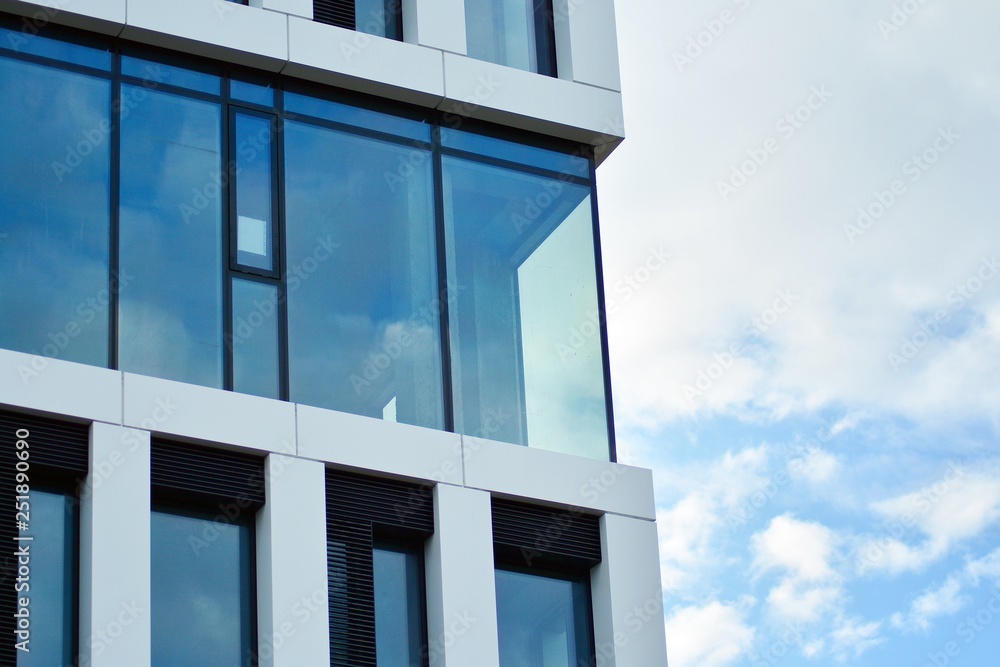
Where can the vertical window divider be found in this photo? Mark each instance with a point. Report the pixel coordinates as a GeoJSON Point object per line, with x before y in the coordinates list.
{"type": "Point", "coordinates": [114, 202]}
{"type": "Point", "coordinates": [228, 238]}
{"type": "Point", "coordinates": [443, 287]}
{"type": "Point", "coordinates": [278, 203]}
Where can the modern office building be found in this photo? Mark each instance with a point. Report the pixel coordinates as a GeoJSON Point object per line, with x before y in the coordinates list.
{"type": "Point", "coordinates": [303, 349]}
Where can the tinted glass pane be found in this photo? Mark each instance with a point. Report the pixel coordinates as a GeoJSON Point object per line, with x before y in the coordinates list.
{"type": "Point", "coordinates": [378, 17]}
{"type": "Point", "coordinates": [509, 32]}
{"type": "Point", "coordinates": [363, 312]}
{"type": "Point", "coordinates": [542, 621]}
{"type": "Point", "coordinates": [254, 224]}
{"type": "Point", "coordinates": [155, 72]}
{"type": "Point", "coordinates": [251, 92]}
{"type": "Point", "coordinates": [201, 591]}
{"type": "Point", "coordinates": [54, 212]}
{"type": "Point", "coordinates": [171, 236]}
{"type": "Point", "coordinates": [255, 338]}
{"type": "Point", "coordinates": [357, 116]}
{"type": "Point", "coordinates": [24, 39]}
{"type": "Point", "coordinates": [398, 608]}
{"type": "Point", "coordinates": [526, 347]}
{"type": "Point", "coordinates": [53, 581]}
{"type": "Point", "coordinates": [515, 152]}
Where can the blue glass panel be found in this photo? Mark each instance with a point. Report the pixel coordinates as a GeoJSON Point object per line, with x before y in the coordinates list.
{"type": "Point", "coordinates": [515, 33]}
{"type": "Point", "coordinates": [542, 158]}
{"type": "Point", "coordinates": [153, 72]}
{"type": "Point", "coordinates": [357, 116]}
{"type": "Point", "coordinates": [201, 591]}
{"type": "Point", "coordinates": [53, 581]}
{"type": "Point", "coordinates": [543, 621]}
{"type": "Point", "coordinates": [527, 360]}
{"type": "Point", "coordinates": [377, 17]}
{"type": "Point", "coordinates": [398, 607]}
{"type": "Point", "coordinates": [254, 203]}
{"type": "Point", "coordinates": [171, 238]}
{"type": "Point", "coordinates": [26, 40]}
{"type": "Point", "coordinates": [363, 306]}
{"type": "Point", "coordinates": [251, 92]}
{"type": "Point", "coordinates": [255, 338]}
{"type": "Point", "coordinates": [55, 131]}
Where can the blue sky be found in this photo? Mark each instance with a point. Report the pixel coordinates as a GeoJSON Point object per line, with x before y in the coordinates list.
{"type": "Point", "coordinates": [814, 372]}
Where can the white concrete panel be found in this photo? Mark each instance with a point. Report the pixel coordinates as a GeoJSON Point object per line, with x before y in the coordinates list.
{"type": "Point", "coordinates": [627, 595]}
{"type": "Point", "coordinates": [293, 616]}
{"type": "Point", "coordinates": [213, 28]}
{"type": "Point", "coordinates": [115, 550]}
{"type": "Point", "coordinates": [303, 8]}
{"type": "Point", "coordinates": [565, 109]}
{"type": "Point", "coordinates": [358, 61]}
{"type": "Point", "coordinates": [558, 478]}
{"type": "Point", "coordinates": [105, 16]}
{"type": "Point", "coordinates": [439, 24]}
{"type": "Point", "coordinates": [40, 383]}
{"type": "Point", "coordinates": [200, 413]}
{"type": "Point", "coordinates": [461, 585]}
{"type": "Point", "coordinates": [587, 42]}
{"type": "Point", "coordinates": [372, 444]}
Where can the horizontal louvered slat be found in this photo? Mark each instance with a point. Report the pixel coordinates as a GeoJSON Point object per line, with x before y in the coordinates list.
{"type": "Point", "coordinates": [53, 444]}
{"type": "Point", "coordinates": [530, 536]}
{"type": "Point", "coordinates": [335, 12]}
{"type": "Point", "coordinates": [386, 502]}
{"type": "Point", "coordinates": [189, 472]}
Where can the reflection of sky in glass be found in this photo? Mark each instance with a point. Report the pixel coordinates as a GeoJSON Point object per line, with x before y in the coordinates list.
{"type": "Point", "coordinates": [541, 621]}
{"type": "Point", "coordinates": [255, 338]}
{"type": "Point", "coordinates": [362, 277]}
{"type": "Point", "coordinates": [54, 207]}
{"type": "Point", "coordinates": [198, 612]}
{"type": "Point", "coordinates": [523, 248]}
{"type": "Point", "coordinates": [171, 235]}
{"type": "Point", "coordinates": [398, 622]}
{"type": "Point", "coordinates": [52, 579]}
{"type": "Point", "coordinates": [502, 32]}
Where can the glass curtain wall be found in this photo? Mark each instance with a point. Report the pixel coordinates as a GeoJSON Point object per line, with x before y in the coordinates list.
{"type": "Point", "coordinates": [515, 33]}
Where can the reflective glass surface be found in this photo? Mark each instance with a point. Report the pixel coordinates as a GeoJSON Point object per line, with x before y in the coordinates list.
{"type": "Point", "coordinates": [543, 621]}
{"type": "Point", "coordinates": [170, 315]}
{"type": "Point", "coordinates": [25, 39]}
{"type": "Point", "coordinates": [201, 592]}
{"type": "Point", "coordinates": [363, 309]}
{"type": "Point", "coordinates": [55, 129]}
{"type": "Point", "coordinates": [251, 92]}
{"type": "Point", "coordinates": [399, 624]}
{"type": "Point", "coordinates": [53, 581]}
{"type": "Point", "coordinates": [357, 116]}
{"type": "Point", "coordinates": [153, 73]}
{"type": "Point", "coordinates": [526, 347]}
{"type": "Point", "coordinates": [255, 338]}
{"type": "Point", "coordinates": [378, 17]}
{"type": "Point", "coordinates": [512, 151]}
{"type": "Point", "coordinates": [254, 209]}
{"type": "Point", "coordinates": [514, 33]}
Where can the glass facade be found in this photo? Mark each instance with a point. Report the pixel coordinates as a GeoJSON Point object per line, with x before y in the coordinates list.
{"type": "Point", "coordinates": [515, 33]}
{"type": "Point", "coordinates": [399, 606]}
{"type": "Point", "coordinates": [202, 587]}
{"type": "Point", "coordinates": [543, 621]}
{"type": "Point", "coordinates": [260, 235]}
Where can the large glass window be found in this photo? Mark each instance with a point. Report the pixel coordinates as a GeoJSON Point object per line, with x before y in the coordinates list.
{"type": "Point", "coordinates": [543, 621]}
{"type": "Point", "coordinates": [171, 237]}
{"type": "Point", "coordinates": [399, 607]}
{"type": "Point", "coordinates": [516, 33]}
{"type": "Point", "coordinates": [363, 304]}
{"type": "Point", "coordinates": [55, 129]}
{"type": "Point", "coordinates": [202, 591]}
{"type": "Point", "coordinates": [526, 351]}
{"type": "Point", "coordinates": [52, 593]}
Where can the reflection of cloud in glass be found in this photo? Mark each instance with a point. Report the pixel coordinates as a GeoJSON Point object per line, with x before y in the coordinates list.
{"type": "Point", "coordinates": [54, 199]}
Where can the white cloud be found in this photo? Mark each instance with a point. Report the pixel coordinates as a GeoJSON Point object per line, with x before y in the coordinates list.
{"type": "Point", "coordinates": [804, 602]}
{"type": "Point", "coordinates": [853, 638]}
{"type": "Point", "coordinates": [712, 635]}
{"type": "Point", "coordinates": [945, 600]}
{"type": "Point", "coordinates": [685, 533]}
{"type": "Point", "coordinates": [987, 567]}
{"type": "Point", "coordinates": [802, 548]}
{"type": "Point", "coordinates": [816, 467]}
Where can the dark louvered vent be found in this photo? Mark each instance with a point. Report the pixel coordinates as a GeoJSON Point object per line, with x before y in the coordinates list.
{"type": "Point", "coordinates": [335, 12]}
{"type": "Point", "coordinates": [58, 456]}
{"type": "Point", "coordinates": [358, 511]}
{"type": "Point", "coordinates": [531, 536]}
{"type": "Point", "coordinates": [201, 476]}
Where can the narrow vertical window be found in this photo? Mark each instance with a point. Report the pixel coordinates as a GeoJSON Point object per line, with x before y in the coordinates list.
{"type": "Point", "coordinates": [515, 33]}
{"type": "Point", "coordinates": [254, 230]}
{"type": "Point", "coordinates": [375, 17]}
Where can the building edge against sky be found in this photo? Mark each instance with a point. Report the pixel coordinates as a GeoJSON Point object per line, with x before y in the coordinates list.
{"type": "Point", "coordinates": [136, 423]}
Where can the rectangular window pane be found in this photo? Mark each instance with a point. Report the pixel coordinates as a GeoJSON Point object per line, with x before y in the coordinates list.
{"type": "Point", "coordinates": [183, 77]}
{"type": "Point", "coordinates": [23, 38]}
{"type": "Point", "coordinates": [515, 33]}
{"type": "Point", "coordinates": [53, 581]}
{"type": "Point", "coordinates": [255, 338]}
{"type": "Point", "coordinates": [171, 238]}
{"type": "Point", "coordinates": [574, 165]}
{"type": "Point", "coordinates": [202, 582]}
{"type": "Point", "coordinates": [378, 17]}
{"type": "Point", "coordinates": [251, 92]}
{"type": "Point", "coordinates": [363, 307]}
{"type": "Point", "coordinates": [527, 359]}
{"type": "Point", "coordinates": [543, 621]}
{"type": "Point", "coordinates": [55, 212]}
{"type": "Point", "coordinates": [399, 606]}
{"type": "Point", "coordinates": [347, 114]}
{"type": "Point", "coordinates": [254, 199]}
